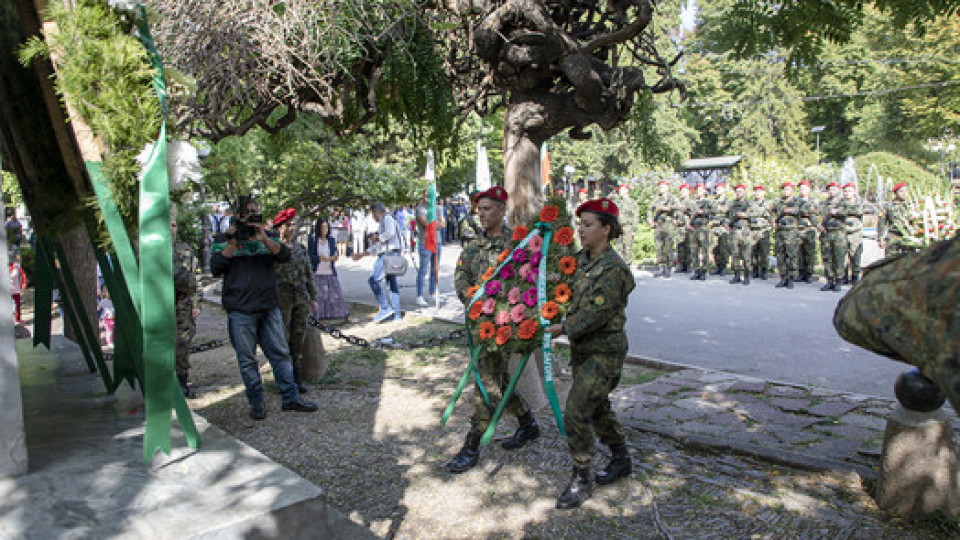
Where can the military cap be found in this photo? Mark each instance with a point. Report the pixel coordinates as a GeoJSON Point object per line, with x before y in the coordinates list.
{"type": "Point", "coordinates": [720, 184]}
{"type": "Point", "coordinates": [623, 186]}
{"type": "Point", "coordinates": [739, 186]}
{"type": "Point", "coordinates": [759, 188]}
{"type": "Point", "coordinates": [582, 190]}
{"type": "Point", "coordinates": [833, 184]}
{"type": "Point", "coordinates": [602, 205]}
{"type": "Point", "coordinates": [699, 186]}
{"type": "Point", "coordinates": [897, 187]}
{"type": "Point", "coordinates": [849, 184]}
{"type": "Point", "coordinates": [786, 184]}
{"type": "Point", "coordinates": [284, 216]}
{"type": "Point", "coordinates": [684, 186]}
{"type": "Point", "coordinates": [805, 183]}
{"type": "Point", "coordinates": [663, 182]}
{"type": "Point", "coordinates": [496, 193]}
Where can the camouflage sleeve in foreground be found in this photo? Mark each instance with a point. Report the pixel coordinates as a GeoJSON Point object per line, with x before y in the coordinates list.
{"type": "Point", "coordinates": [463, 278]}
{"type": "Point", "coordinates": [905, 308]}
{"type": "Point", "coordinates": [600, 294]}
{"type": "Point", "coordinates": [307, 271]}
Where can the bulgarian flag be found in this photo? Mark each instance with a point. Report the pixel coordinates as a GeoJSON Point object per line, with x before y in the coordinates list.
{"type": "Point", "coordinates": [430, 237]}
{"type": "Point", "coordinates": [545, 170]}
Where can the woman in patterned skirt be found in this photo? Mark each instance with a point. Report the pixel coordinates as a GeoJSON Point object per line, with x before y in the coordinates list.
{"type": "Point", "coordinates": [330, 302]}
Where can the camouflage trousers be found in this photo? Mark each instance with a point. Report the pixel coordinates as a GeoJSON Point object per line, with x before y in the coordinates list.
{"type": "Point", "coordinates": [741, 242]}
{"type": "Point", "coordinates": [664, 236]}
{"type": "Point", "coordinates": [854, 251]}
{"type": "Point", "coordinates": [685, 247]}
{"type": "Point", "coordinates": [761, 249]}
{"type": "Point", "coordinates": [588, 413]}
{"type": "Point", "coordinates": [294, 310]}
{"type": "Point", "coordinates": [788, 251]}
{"type": "Point", "coordinates": [833, 249]}
{"type": "Point", "coordinates": [808, 250]}
{"type": "Point", "coordinates": [700, 248]}
{"type": "Point", "coordinates": [624, 244]}
{"type": "Point", "coordinates": [720, 245]}
{"type": "Point", "coordinates": [186, 330]}
{"type": "Point", "coordinates": [494, 371]}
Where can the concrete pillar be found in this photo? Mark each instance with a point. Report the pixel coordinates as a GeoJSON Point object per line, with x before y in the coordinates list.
{"type": "Point", "coordinates": [918, 467]}
{"type": "Point", "coordinates": [13, 443]}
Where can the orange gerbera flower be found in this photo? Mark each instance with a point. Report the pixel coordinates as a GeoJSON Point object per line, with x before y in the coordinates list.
{"type": "Point", "coordinates": [472, 291]}
{"type": "Point", "coordinates": [568, 265]}
{"type": "Point", "coordinates": [549, 310]}
{"type": "Point", "coordinates": [487, 330]}
{"type": "Point", "coordinates": [562, 293]}
{"type": "Point", "coordinates": [503, 334]}
{"type": "Point", "coordinates": [503, 255]}
{"type": "Point", "coordinates": [528, 329]}
{"type": "Point", "coordinates": [475, 311]}
{"type": "Point", "coordinates": [520, 233]}
{"type": "Point", "coordinates": [488, 273]}
{"type": "Point", "coordinates": [564, 236]}
{"type": "Point", "coordinates": [549, 213]}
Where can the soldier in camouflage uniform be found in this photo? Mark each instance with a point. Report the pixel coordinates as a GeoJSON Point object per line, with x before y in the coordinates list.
{"type": "Point", "coordinates": [787, 208]}
{"type": "Point", "coordinates": [833, 238]}
{"type": "Point", "coordinates": [905, 308]}
{"type": "Point", "coordinates": [474, 260]}
{"type": "Point", "coordinates": [894, 228]}
{"type": "Point", "coordinates": [741, 241]}
{"type": "Point", "coordinates": [629, 216]}
{"type": "Point", "coordinates": [469, 228]}
{"type": "Point", "coordinates": [298, 294]}
{"type": "Point", "coordinates": [701, 208]}
{"type": "Point", "coordinates": [809, 213]}
{"type": "Point", "coordinates": [187, 309]}
{"type": "Point", "coordinates": [598, 347]}
{"type": "Point", "coordinates": [662, 216]}
{"type": "Point", "coordinates": [760, 224]}
{"type": "Point", "coordinates": [685, 230]}
{"type": "Point", "coordinates": [853, 210]}
{"type": "Point", "coordinates": [720, 229]}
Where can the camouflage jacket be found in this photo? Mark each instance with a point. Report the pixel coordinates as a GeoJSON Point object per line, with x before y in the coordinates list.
{"type": "Point", "coordinates": [475, 258]}
{"type": "Point", "coordinates": [718, 211]}
{"type": "Point", "coordinates": [833, 214]}
{"type": "Point", "coordinates": [700, 211]}
{"type": "Point", "coordinates": [184, 273]}
{"type": "Point", "coordinates": [601, 288]}
{"type": "Point", "coordinates": [469, 229]}
{"type": "Point", "coordinates": [687, 207]}
{"type": "Point", "coordinates": [895, 221]}
{"type": "Point", "coordinates": [664, 210]}
{"type": "Point", "coordinates": [787, 210]}
{"type": "Point", "coordinates": [853, 210]}
{"type": "Point", "coordinates": [809, 212]}
{"type": "Point", "coordinates": [734, 211]}
{"type": "Point", "coordinates": [629, 211]}
{"type": "Point", "coordinates": [295, 276]}
{"type": "Point", "coordinates": [760, 213]}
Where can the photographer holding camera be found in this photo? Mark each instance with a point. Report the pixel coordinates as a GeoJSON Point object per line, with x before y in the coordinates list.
{"type": "Point", "coordinates": [251, 298]}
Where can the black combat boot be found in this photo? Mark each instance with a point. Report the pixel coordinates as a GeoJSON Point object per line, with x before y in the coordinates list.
{"type": "Point", "coordinates": [789, 284]}
{"type": "Point", "coordinates": [696, 275]}
{"type": "Point", "coordinates": [468, 456]}
{"type": "Point", "coordinates": [620, 466]}
{"type": "Point", "coordinates": [703, 275]}
{"type": "Point", "coordinates": [763, 274]}
{"type": "Point", "coordinates": [783, 281]}
{"type": "Point", "coordinates": [746, 278]}
{"type": "Point", "coordinates": [188, 392]}
{"type": "Point", "coordinates": [846, 279]}
{"type": "Point", "coordinates": [736, 277]}
{"type": "Point", "coordinates": [836, 286]}
{"type": "Point", "coordinates": [855, 279]}
{"type": "Point", "coordinates": [829, 286]}
{"type": "Point", "coordinates": [723, 270]}
{"type": "Point", "coordinates": [296, 379]}
{"type": "Point", "coordinates": [808, 278]}
{"type": "Point", "coordinates": [528, 431]}
{"type": "Point", "coordinates": [666, 271]}
{"type": "Point", "coordinates": [756, 273]}
{"type": "Point", "coordinates": [578, 490]}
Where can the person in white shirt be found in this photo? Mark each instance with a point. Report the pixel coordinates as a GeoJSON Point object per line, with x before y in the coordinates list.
{"type": "Point", "coordinates": [387, 241]}
{"type": "Point", "coordinates": [358, 229]}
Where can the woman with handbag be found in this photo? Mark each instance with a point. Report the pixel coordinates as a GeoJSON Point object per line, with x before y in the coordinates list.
{"type": "Point", "coordinates": [330, 301]}
{"type": "Point", "coordinates": [390, 263]}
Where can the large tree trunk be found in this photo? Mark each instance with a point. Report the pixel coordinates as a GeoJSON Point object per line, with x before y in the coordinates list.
{"type": "Point", "coordinates": [83, 265]}
{"type": "Point", "coordinates": [521, 163]}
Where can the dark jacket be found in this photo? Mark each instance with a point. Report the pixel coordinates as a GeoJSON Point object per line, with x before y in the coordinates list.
{"type": "Point", "coordinates": [249, 281]}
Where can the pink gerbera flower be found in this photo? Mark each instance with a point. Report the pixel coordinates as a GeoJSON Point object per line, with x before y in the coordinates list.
{"type": "Point", "coordinates": [489, 305]}
{"type": "Point", "coordinates": [532, 276]}
{"type": "Point", "coordinates": [518, 314]}
{"type": "Point", "coordinates": [535, 258]}
{"type": "Point", "coordinates": [502, 318]}
{"type": "Point", "coordinates": [535, 243]}
{"type": "Point", "coordinates": [514, 295]}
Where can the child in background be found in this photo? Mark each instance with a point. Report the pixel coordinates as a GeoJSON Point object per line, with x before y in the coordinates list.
{"type": "Point", "coordinates": [18, 282]}
{"type": "Point", "coordinates": [106, 311]}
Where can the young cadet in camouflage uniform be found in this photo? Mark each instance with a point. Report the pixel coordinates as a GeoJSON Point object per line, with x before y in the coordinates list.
{"type": "Point", "coordinates": [787, 208]}
{"type": "Point", "coordinates": [833, 238]}
{"type": "Point", "coordinates": [853, 210]}
{"type": "Point", "coordinates": [738, 214]}
{"type": "Point", "coordinates": [297, 289]}
{"type": "Point", "coordinates": [474, 260]}
{"type": "Point", "coordinates": [719, 229]}
{"type": "Point", "coordinates": [809, 212]}
{"type": "Point", "coordinates": [905, 308]}
{"type": "Point", "coordinates": [701, 207]}
{"type": "Point", "coordinates": [598, 347]}
{"type": "Point", "coordinates": [629, 216]}
{"type": "Point", "coordinates": [760, 228]}
{"type": "Point", "coordinates": [662, 216]}
{"type": "Point", "coordinates": [469, 228]}
{"type": "Point", "coordinates": [894, 229]}
{"type": "Point", "coordinates": [185, 289]}
{"type": "Point", "coordinates": [685, 231]}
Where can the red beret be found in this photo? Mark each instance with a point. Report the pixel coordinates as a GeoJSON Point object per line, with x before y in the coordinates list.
{"type": "Point", "coordinates": [623, 186]}
{"type": "Point", "coordinates": [786, 184]}
{"type": "Point", "coordinates": [805, 183]}
{"type": "Point", "coordinates": [582, 190]}
{"type": "Point", "coordinates": [663, 182]}
{"type": "Point", "coordinates": [833, 184]}
{"type": "Point", "coordinates": [684, 186]}
{"type": "Point", "coordinates": [599, 206]}
{"type": "Point", "coordinates": [849, 184]}
{"type": "Point", "coordinates": [720, 184]}
{"type": "Point", "coordinates": [284, 216]}
{"type": "Point", "coordinates": [759, 188]}
{"type": "Point", "coordinates": [739, 186]}
{"type": "Point", "coordinates": [699, 186]}
{"type": "Point", "coordinates": [496, 193]}
{"type": "Point", "coordinates": [897, 187]}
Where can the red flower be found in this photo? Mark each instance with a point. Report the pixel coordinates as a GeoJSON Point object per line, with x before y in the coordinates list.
{"type": "Point", "coordinates": [562, 293]}
{"type": "Point", "coordinates": [568, 265]}
{"type": "Point", "coordinates": [549, 213]}
{"type": "Point", "coordinates": [487, 330]}
{"type": "Point", "coordinates": [528, 329]}
{"type": "Point", "coordinates": [520, 233]}
{"type": "Point", "coordinates": [503, 335]}
{"type": "Point", "coordinates": [475, 311]}
{"type": "Point", "coordinates": [564, 236]}
{"type": "Point", "coordinates": [472, 291]}
{"type": "Point", "coordinates": [550, 310]}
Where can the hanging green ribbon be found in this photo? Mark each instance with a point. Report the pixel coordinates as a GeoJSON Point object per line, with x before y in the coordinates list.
{"type": "Point", "coordinates": [43, 297]}
{"type": "Point", "coordinates": [126, 258]}
{"type": "Point", "coordinates": [547, 343]}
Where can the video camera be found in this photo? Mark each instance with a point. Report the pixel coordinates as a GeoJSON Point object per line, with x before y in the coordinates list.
{"type": "Point", "coordinates": [244, 222]}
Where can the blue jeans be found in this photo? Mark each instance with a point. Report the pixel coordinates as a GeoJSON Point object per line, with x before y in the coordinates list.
{"type": "Point", "coordinates": [247, 330]}
{"type": "Point", "coordinates": [428, 267]}
{"type": "Point", "coordinates": [378, 275]}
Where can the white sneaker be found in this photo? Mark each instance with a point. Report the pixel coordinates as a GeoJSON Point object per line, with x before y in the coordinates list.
{"type": "Point", "coordinates": [421, 301]}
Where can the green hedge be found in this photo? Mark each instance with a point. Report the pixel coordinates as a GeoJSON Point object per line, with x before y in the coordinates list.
{"type": "Point", "coordinates": [900, 169]}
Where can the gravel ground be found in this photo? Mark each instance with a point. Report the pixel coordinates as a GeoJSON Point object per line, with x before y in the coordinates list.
{"type": "Point", "coordinates": [377, 448]}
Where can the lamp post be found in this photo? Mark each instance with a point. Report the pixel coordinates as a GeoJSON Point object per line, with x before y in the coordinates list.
{"type": "Point", "coordinates": [817, 130]}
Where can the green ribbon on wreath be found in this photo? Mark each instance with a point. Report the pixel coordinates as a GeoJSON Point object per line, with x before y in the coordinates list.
{"type": "Point", "coordinates": [547, 343]}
